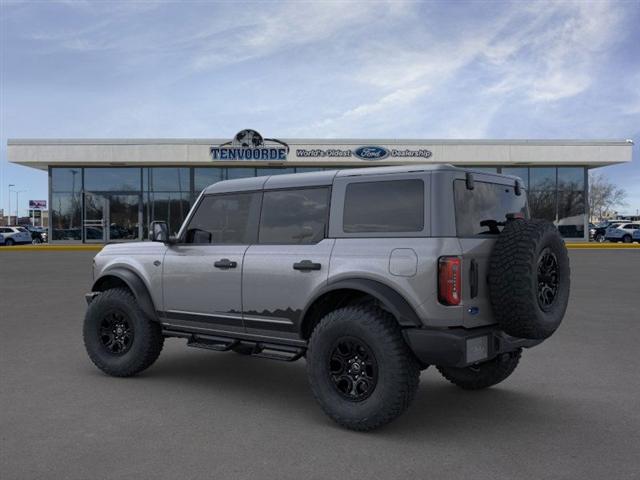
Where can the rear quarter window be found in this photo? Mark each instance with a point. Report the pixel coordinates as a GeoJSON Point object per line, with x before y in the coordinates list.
{"type": "Point", "coordinates": [384, 206]}
{"type": "Point", "coordinates": [483, 210]}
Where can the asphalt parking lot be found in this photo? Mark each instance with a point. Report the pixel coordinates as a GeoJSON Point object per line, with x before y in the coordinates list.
{"type": "Point", "coordinates": [571, 410]}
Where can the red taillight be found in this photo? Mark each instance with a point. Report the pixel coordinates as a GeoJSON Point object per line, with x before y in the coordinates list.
{"type": "Point", "coordinates": [449, 280]}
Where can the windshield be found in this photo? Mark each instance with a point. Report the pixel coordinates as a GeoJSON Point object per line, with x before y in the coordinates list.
{"type": "Point", "coordinates": [484, 210]}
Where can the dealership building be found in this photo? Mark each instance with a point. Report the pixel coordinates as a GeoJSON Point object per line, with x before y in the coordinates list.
{"type": "Point", "coordinates": [109, 190]}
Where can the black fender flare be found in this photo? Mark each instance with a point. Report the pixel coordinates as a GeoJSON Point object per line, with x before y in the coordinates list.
{"type": "Point", "coordinates": [135, 284]}
{"type": "Point", "coordinates": [397, 305]}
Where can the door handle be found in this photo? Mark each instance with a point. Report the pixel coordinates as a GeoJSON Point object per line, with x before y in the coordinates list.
{"type": "Point", "coordinates": [306, 265]}
{"type": "Point", "coordinates": [225, 263]}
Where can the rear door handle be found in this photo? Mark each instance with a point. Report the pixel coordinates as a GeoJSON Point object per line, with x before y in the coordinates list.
{"type": "Point", "coordinates": [307, 265]}
{"type": "Point", "coordinates": [225, 263]}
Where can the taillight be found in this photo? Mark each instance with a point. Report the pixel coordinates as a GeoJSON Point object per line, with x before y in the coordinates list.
{"type": "Point", "coordinates": [449, 280]}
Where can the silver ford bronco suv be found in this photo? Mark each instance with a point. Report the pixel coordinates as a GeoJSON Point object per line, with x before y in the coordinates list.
{"type": "Point", "coordinates": [370, 274]}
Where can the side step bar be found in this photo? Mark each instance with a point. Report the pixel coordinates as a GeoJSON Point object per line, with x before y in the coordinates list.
{"type": "Point", "coordinates": [273, 351]}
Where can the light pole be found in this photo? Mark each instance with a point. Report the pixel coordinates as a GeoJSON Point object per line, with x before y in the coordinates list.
{"type": "Point", "coordinates": [9, 211]}
{"type": "Point", "coordinates": [18, 192]}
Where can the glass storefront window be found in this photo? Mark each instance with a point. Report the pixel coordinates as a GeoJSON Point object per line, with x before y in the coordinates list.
{"type": "Point", "coordinates": [571, 213]}
{"type": "Point", "coordinates": [66, 216]}
{"type": "Point", "coordinates": [66, 179]}
{"type": "Point", "coordinates": [570, 178]}
{"type": "Point", "coordinates": [171, 207]}
{"type": "Point", "coordinates": [112, 179]}
{"type": "Point", "coordinates": [542, 204]}
{"type": "Point", "coordinates": [167, 179]}
{"type": "Point", "coordinates": [240, 172]}
{"type": "Point", "coordinates": [203, 177]}
{"type": "Point", "coordinates": [542, 178]}
{"type": "Point", "coordinates": [522, 172]}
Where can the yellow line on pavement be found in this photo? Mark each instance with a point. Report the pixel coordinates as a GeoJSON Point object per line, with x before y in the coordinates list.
{"type": "Point", "coordinates": [603, 246]}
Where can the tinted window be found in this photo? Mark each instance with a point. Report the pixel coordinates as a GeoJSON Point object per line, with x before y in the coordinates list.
{"type": "Point", "coordinates": [484, 209]}
{"type": "Point", "coordinates": [294, 216]}
{"type": "Point", "coordinates": [385, 206]}
{"type": "Point", "coordinates": [225, 219]}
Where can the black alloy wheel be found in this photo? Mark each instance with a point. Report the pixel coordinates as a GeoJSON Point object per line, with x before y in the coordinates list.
{"type": "Point", "coordinates": [116, 333]}
{"type": "Point", "coordinates": [547, 279]}
{"type": "Point", "coordinates": [353, 369]}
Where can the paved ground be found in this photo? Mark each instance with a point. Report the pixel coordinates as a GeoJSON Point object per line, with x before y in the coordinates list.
{"type": "Point", "coordinates": [571, 410]}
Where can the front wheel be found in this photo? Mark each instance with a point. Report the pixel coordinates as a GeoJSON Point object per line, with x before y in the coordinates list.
{"type": "Point", "coordinates": [599, 238]}
{"type": "Point", "coordinates": [483, 375]}
{"type": "Point", "coordinates": [36, 241]}
{"type": "Point", "coordinates": [120, 340]}
{"type": "Point", "coordinates": [360, 369]}
{"type": "Point", "coordinates": [626, 239]}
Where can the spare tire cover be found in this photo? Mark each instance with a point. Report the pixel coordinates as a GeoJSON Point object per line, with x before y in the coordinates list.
{"type": "Point", "coordinates": [529, 279]}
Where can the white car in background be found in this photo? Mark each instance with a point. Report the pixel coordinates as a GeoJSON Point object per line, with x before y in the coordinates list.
{"type": "Point", "coordinates": [622, 233]}
{"type": "Point", "coordinates": [15, 235]}
{"type": "Point", "coordinates": [1, 239]}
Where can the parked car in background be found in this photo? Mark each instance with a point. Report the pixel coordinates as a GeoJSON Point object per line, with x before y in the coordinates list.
{"type": "Point", "coordinates": [600, 231]}
{"type": "Point", "coordinates": [15, 235]}
{"type": "Point", "coordinates": [38, 234]}
{"type": "Point", "coordinates": [622, 232]}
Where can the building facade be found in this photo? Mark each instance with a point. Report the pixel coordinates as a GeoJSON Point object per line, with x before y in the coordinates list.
{"type": "Point", "coordinates": [110, 190]}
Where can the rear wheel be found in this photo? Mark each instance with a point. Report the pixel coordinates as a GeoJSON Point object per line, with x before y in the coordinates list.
{"type": "Point", "coordinates": [483, 375]}
{"type": "Point", "coordinates": [626, 239]}
{"type": "Point", "coordinates": [360, 369]}
{"type": "Point", "coordinates": [9, 242]}
{"type": "Point", "coordinates": [120, 340]}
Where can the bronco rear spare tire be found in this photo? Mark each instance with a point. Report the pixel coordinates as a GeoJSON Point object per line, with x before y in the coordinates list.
{"type": "Point", "coordinates": [529, 279]}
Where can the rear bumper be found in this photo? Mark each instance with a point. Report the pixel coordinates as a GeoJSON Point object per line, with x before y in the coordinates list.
{"type": "Point", "coordinates": [460, 347]}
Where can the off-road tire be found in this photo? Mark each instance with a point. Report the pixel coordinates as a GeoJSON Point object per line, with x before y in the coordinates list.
{"type": "Point", "coordinates": [398, 372]}
{"type": "Point", "coordinates": [147, 335]}
{"type": "Point", "coordinates": [515, 279]}
{"type": "Point", "coordinates": [484, 374]}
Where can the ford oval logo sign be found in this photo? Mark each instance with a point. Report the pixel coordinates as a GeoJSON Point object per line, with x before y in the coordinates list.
{"type": "Point", "coordinates": [371, 153]}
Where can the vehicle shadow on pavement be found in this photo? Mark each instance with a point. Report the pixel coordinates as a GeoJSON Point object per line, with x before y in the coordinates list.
{"type": "Point", "coordinates": [438, 409]}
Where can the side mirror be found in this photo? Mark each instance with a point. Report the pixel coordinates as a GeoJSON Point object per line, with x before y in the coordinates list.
{"type": "Point", "coordinates": [159, 232]}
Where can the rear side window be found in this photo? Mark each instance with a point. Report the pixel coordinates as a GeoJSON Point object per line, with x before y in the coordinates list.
{"type": "Point", "coordinates": [225, 219]}
{"type": "Point", "coordinates": [483, 210]}
{"type": "Point", "coordinates": [294, 216]}
{"type": "Point", "coordinates": [384, 206]}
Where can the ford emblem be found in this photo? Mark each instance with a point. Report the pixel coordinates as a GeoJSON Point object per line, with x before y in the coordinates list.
{"type": "Point", "coordinates": [371, 153]}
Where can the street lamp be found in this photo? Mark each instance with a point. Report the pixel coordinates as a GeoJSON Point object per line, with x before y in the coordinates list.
{"type": "Point", "coordinates": [18, 192]}
{"type": "Point", "coordinates": [9, 211]}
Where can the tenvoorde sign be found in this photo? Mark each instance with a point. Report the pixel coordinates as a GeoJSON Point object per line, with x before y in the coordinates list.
{"type": "Point", "coordinates": [249, 145]}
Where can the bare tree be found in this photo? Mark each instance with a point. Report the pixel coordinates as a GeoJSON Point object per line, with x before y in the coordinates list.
{"type": "Point", "coordinates": [604, 196]}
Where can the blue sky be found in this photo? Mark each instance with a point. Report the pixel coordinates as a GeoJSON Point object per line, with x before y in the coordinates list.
{"type": "Point", "coordinates": [324, 69]}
